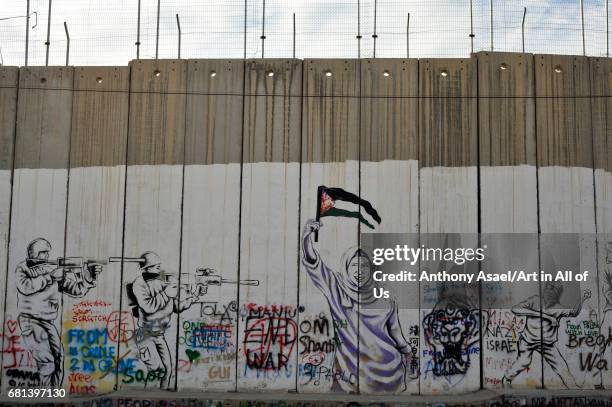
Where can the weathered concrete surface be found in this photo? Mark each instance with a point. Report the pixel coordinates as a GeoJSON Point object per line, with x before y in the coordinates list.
{"type": "Point", "coordinates": [94, 225]}
{"type": "Point", "coordinates": [389, 179]}
{"type": "Point", "coordinates": [40, 182]}
{"type": "Point", "coordinates": [448, 194]}
{"type": "Point", "coordinates": [269, 252]}
{"type": "Point", "coordinates": [222, 175]}
{"type": "Point", "coordinates": [154, 193]}
{"type": "Point", "coordinates": [330, 157]}
{"type": "Point", "coordinates": [601, 85]}
{"type": "Point", "coordinates": [211, 214]}
{"type": "Point", "coordinates": [9, 77]}
{"type": "Point", "coordinates": [508, 204]}
{"type": "Point", "coordinates": [566, 195]}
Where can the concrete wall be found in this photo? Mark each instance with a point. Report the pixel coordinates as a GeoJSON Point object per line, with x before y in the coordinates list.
{"type": "Point", "coordinates": [211, 169]}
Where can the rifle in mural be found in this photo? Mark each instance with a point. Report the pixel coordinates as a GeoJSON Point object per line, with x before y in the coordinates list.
{"type": "Point", "coordinates": [88, 269]}
{"type": "Point", "coordinates": [206, 277]}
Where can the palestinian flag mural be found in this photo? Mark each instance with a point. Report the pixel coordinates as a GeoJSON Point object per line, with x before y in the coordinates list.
{"type": "Point", "coordinates": [327, 205]}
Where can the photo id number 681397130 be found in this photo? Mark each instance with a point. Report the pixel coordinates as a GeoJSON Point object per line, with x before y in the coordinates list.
{"type": "Point", "coordinates": [36, 393]}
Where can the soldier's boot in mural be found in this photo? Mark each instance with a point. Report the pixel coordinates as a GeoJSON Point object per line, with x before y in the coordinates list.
{"type": "Point", "coordinates": [156, 345]}
{"type": "Point", "coordinates": [42, 339]}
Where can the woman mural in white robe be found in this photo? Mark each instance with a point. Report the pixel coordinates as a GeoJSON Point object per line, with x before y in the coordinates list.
{"type": "Point", "coordinates": [373, 334]}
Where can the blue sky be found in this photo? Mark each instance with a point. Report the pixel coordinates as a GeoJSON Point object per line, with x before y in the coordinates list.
{"type": "Point", "coordinates": [103, 32]}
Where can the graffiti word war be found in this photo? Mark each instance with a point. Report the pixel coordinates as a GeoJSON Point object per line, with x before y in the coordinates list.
{"type": "Point", "coordinates": [269, 336]}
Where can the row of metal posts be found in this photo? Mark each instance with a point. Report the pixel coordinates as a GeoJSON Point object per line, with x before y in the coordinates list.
{"type": "Point", "coordinates": [263, 36]}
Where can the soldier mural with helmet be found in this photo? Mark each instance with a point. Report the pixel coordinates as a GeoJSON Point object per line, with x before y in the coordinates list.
{"type": "Point", "coordinates": [40, 284]}
{"type": "Point", "coordinates": [154, 298]}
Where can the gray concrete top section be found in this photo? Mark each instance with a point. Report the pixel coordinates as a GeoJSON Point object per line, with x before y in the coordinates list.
{"type": "Point", "coordinates": [99, 116]}
{"type": "Point", "coordinates": [214, 111]}
{"type": "Point", "coordinates": [448, 113]}
{"type": "Point", "coordinates": [9, 75]}
{"type": "Point", "coordinates": [506, 91]}
{"type": "Point", "coordinates": [601, 102]}
{"type": "Point", "coordinates": [389, 109]}
{"type": "Point", "coordinates": [273, 111]}
{"type": "Point", "coordinates": [563, 108]}
{"type": "Point", "coordinates": [157, 112]}
{"type": "Point", "coordinates": [44, 117]}
{"type": "Point", "coordinates": [330, 119]}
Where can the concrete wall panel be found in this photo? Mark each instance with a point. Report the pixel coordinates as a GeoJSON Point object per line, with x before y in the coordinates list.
{"type": "Point", "coordinates": [448, 204]}
{"type": "Point", "coordinates": [328, 358]}
{"type": "Point", "coordinates": [94, 228]}
{"type": "Point", "coordinates": [508, 191]}
{"type": "Point", "coordinates": [389, 181]}
{"type": "Point", "coordinates": [33, 313]}
{"type": "Point", "coordinates": [268, 343]}
{"type": "Point", "coordinates": [9, 77]}
{"type": "Point", "coordinates": [566, 199]}
{"type": "Point", "coordinates": [153, 221]}
{"type": "Point", "coordinates": [208, 335]}
{"type": "Point", "coordinates": [601, 85]}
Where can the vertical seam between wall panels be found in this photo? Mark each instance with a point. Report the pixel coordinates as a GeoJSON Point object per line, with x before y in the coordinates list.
{"type": "Point", "coordinates": [479, 215]}
{"type": "Point", "coordinates": [535, 108]}
{"type": "Point", "coordinates": [122, 268]}
{"type": "Point", "coordinates": [244, 73]}
{"type": "Point", "coordinates": [8, 235]}
{"type": "Point", "coordinates": [359, 137]}
{"type": "Point", "coordinates": [419, 124]}
{"type": "Point", "coordinates": [594, 165]}
{"type": "Point", "coordinates": [418, 152]}
{"type": "Point", "coordinates": [301, 110]}
{"type": "Point", "coordinates": [61, 313]}
{"type": "Point", "coordinates": [180, 264]}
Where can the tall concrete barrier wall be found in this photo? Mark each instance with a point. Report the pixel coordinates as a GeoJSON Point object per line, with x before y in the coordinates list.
{"type": "Point", "coordinates": [180, 200]}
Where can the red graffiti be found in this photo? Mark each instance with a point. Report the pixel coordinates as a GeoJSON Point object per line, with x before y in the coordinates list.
{"type": "Point", "coordinates": [120, 326]}
{"type": "Point", "coordinates": [269, 342]}
{"type": "Point", "coordinates": [183, 366]}
{"type": "Point", "coordinates": [11, 351]}
{"type": "Point", "coordinates": [11, 325]}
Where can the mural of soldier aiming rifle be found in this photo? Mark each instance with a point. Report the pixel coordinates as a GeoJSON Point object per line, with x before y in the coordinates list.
{"type": "Point", "coordinates": [154, 296]}
{"type": "Point", "coordinates": [40, 283]}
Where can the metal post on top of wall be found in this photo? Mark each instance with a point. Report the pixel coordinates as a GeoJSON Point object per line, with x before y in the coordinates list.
{"type": "Point", "coordinates": [491, 21]}
{"type": "Point", "coordinates": [178, 25]}
{"type": "Point", "coordinates": [472, 27]}
{"type": "Point", "coordinates": [67, 44]}
{"type": "Point", "coordinates": [408, 36]}
{"type": "Point", "coordinates": [263, 28]}
{"type": "Point", "coordinates": [374, 34]}
{"type": "Point", "coordinates": [358, 29]}
{"type": "Point", "coordinates": [157, 31]}
{"type": "Point", "coordinates": [27, 39]}
{"type": "Point", "coordinates": [245, 27]}
{"type": "Point", "coordinates": [138, 33]}
{"type": "Point", "coordinates": [607, 29]}
{"type": "Point", "coordinates": [293, 35]}
{"type": "Point", "coordinates": [523, 28]}
{"type": "Point", "coordinates": [582, 24]}
{"type": "Point", "coordinates": [48, 42]}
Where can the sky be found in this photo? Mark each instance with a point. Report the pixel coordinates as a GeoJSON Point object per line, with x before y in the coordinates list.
{"type": "Point", "coordinates": [103, 32]}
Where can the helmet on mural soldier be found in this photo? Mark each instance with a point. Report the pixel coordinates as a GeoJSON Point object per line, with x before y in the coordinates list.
{"type": "Point", "coordinates": [149, 260]}
{"type": "Point", "coordinates": [39, 248]}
